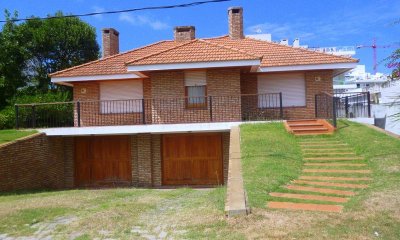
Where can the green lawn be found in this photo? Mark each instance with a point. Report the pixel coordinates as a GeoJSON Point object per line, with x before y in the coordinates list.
{"type": "Point", "coordinates": [10, 135]}
{"type": "Point", "coordinates": [271, 158]}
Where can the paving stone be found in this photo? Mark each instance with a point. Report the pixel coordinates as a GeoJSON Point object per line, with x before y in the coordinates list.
{"type": "Point", "coordinates": [335, 171]}
{"type": "Point", "coordinates": [310, 197]}
{"type": "Point", "coordinates": [329, 153]}
{"type": "Point", "coordinates": [305, 206]}
{"type": "Point", "coordinates": [320, 190]}
{"type": "Point", "coordinates": [331, 184]}
{"type": "Point", "coordinates": [335, 178]}
{"type": "Point", "coordinates": [336, 164]}
{"type": "Point", "coordinates": [333, 158]}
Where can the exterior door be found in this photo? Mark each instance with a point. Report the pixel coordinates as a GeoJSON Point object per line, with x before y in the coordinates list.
{"type": "Point", "coordinates": [102, 161]}
{"type": "Point", "coordinates": [192, 159]}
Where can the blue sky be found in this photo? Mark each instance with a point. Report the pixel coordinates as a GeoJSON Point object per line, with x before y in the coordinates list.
{"type": "Point", "coordinates": [316, 22]}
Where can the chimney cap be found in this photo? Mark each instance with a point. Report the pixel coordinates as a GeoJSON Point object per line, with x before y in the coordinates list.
{"type": "Point", "coordinates": [184, 28]}
{"type": "Point", "coordinates": [107, 30]}
{"type": "Point", "coordinates": [235, 8]}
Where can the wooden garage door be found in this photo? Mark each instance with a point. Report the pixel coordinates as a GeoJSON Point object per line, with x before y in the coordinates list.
{"type": "Point", "coordinates": [102, 161]}
{"type": "Point", "coordinates": [192, 159]}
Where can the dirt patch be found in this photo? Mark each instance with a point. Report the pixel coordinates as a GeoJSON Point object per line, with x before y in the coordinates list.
{"type": "Point", "coordinates": [275, 224]}
{"type": "Point", "coordinates": [384, 201]}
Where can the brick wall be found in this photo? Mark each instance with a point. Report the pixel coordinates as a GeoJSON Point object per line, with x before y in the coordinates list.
{"type": "Point", "coordinates": [89, 94]}
{"type": "Point", "coordinates": [222, 84]}
{"type": "Point", "coordinates": [249, 86]}
{"type": "Point", "coordinates": [110, 40]}
{"type": "Point", "coordinates": [225, 152]}
{"type": "Point", "coordinates": [36, 162]}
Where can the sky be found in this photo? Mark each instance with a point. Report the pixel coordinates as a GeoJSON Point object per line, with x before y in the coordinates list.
{"type": "Point", "coordinates": [318, 23]}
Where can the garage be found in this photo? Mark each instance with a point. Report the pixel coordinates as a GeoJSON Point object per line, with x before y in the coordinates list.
{"type": "Point", "coordinates": [192, 159]}
{"type": "Point", "coordinates": [102, 161]}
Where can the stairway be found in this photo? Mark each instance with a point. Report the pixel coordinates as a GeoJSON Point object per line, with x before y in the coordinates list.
{"type": "Point", "coordinates": [332, 173]}
{"type": "Point", "coordinates": [309, 127]}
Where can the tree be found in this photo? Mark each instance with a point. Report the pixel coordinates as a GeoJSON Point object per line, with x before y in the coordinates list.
{"type": "Point", "coordinates": [56, 44]}
{"type": "Point", "coordinates": [31, 50]}
{"type": "Point", "coordinates": [13, 58]}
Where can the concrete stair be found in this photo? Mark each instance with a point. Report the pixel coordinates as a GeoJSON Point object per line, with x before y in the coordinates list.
{"type": "Point", "coordinates": [309, 127]}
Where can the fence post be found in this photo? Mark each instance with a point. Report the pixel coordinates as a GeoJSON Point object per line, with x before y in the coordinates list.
{"type": "Point", "coordinates": [280, 106]}
{"type": "Point", "coordinates": [369, 104]}
{"type": "Point", "coordinates": [33, 116]}
{"type": "Point", "coordinates": [143, 111]}
{"type": "Point", "coordinates": [334, 112]}
{"type": "Point", "coordinates": [346, 106]}
{"type": "Point", "coordinates": [211, 113]}
{"type": "Point", "coordinates": [16, 116]}
{"type": "Point", "coordinates": [78, 109]}
{"type": "Point", "coordinates": [316, 105]}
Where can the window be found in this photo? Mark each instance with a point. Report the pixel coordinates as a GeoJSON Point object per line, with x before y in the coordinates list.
{"type": "Point", "coordinates": [121, 96]}
{"type": "Point", "coordinates": [195, 89]}
{"type": "Point", "coordinates": [291, 85]}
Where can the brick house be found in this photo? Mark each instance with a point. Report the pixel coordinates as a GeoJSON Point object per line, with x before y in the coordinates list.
{"type": "Point", "coordinates": [160, 114]}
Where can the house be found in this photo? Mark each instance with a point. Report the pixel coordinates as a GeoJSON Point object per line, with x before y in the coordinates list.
{"type": "Point", "coordinates": [160, 115]}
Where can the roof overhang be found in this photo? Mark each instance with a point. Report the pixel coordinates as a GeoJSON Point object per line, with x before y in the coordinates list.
{"type": "Point", "coordinates": [194, 65]}
{"type": "Point", "coordinates": [66, 80]}
{"type": "Point", "coordinates": [338, 68]}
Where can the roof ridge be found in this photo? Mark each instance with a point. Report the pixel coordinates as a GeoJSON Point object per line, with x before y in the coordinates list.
{"type": "Point", "coordinates": [301, 49]}
{"type": "Point", "coordinates": [106, 58]}
{"type": "Point", "coordinates": [162, 51]}
{"type": "Point", "coordinates": [231, 48]}
{"type": "Point", "coordinates": [215, 37]}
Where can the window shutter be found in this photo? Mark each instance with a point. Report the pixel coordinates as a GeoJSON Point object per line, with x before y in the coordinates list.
{"type": "Point", "coordinates": [195, 78]}
{"type": "Point", "coordinates": [292, 86]}
{"type": "Point", "coordinates": [131, 91]}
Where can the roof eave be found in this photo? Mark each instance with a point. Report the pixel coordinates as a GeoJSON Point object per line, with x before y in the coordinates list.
{"type": "Point", "coordinates": [193, 65]}
{"type": "Point", "coordinates": [60, 80]}
{"type": "Point", "coordinates": [338, 67]}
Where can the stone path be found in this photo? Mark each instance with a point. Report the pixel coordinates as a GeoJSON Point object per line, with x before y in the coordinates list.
{"type": "Point", "coordinates": [332, 174]}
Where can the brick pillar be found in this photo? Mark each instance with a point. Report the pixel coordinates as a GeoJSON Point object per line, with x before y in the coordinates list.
{"type": "Point", "coordinates": [235, 21]}
{"type": "Point", "coordinates": [69, 167]}
{"type": "Point", "coordinates": [156, 159]}
{"type": "Point", "coordinates": [144, 160]}
{"type": "Point", "coordinates": [225, 154]}
{"type": "Point", "coordinates": [134, 161]}
{"type": "Point", "coordinates": [110, 39]}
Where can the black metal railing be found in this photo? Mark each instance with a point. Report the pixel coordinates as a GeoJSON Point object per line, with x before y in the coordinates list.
{"type": "Point", "coordinates": [342, 105]}
{"type": "Point", "coordinates": [250, 107]}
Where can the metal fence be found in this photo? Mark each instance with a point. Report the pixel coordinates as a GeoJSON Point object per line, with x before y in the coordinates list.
{"type": "Point", "coordinates": [250, 107]}
{"type": "Point", "coordinates": [342, 105]}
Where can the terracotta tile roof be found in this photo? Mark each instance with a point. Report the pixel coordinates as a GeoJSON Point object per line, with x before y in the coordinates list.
{"type": "Point", "coordinates": [200, 50]}
{"type": "Point", "coordinates": [195, 51]}
{"type": "Point", "coordinates": [114, 64]}
{"type": "Point", "coordinates": [275, 54]}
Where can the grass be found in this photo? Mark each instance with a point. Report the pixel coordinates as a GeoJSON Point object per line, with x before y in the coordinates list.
{"type": "Point", "coordinates": [11, 135]}
{"type": "Point", "coordinates": [271, 159]}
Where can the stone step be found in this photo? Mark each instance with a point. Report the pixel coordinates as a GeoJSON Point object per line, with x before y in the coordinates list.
{"type": "Point", "coordinates": [310, 197]}
{"type": "Point", "coordinates": [335, 171]}
{"type": "Point", "coordinates": [327, 149]}
{"type": "Point", "coordinates": [331, 184]}
{"type": "Point", "coordinates": [324, 145]}
{"type": "Point", "coordinates": [328, 153]}
{"type": "Point", "coordinates": [320, 142]}
{"type": "Point", "coordinates": [323, 178]}
{"type": "Point", "coordinates": [306, 124]}
{"type": "Point", "coordinates": [305, 206]}
{"type": "Point", "coordinates": [320, 190]}
{"type": "Point", "coordinates": [336, 164]}
{"type": "Point", "coordinates": [333, 158]}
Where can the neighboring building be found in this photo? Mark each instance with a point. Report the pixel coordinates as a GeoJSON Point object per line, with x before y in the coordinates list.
{"type": "Point", "coordinates": [196, 89]}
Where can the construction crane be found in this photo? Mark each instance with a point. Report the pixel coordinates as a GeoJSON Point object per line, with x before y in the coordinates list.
{"type": "Point", "coordinates": [374, 51]}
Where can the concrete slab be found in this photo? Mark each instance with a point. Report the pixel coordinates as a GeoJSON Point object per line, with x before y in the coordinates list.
{"type": "Point", "coordinates": [235, 204]}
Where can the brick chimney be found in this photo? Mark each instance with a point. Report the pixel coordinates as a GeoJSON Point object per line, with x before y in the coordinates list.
{"type": "Point", "coordinates": [184, 33]}
{"type": "Point", "coordinates": [110, 42]}
{"type": "Point", "coordinates": [235, 19]}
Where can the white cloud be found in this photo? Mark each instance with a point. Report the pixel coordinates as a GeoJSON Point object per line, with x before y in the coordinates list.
{"type": "Point", "coordinates": [98, 9]}
{"type": "Point", "coordinates": [141, 20]}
